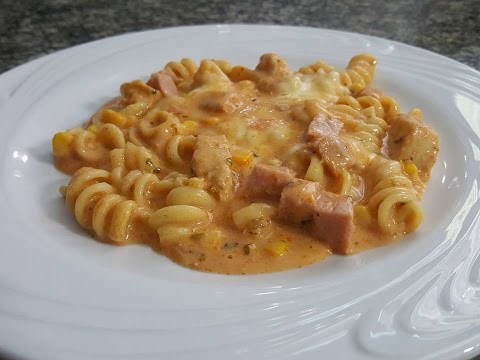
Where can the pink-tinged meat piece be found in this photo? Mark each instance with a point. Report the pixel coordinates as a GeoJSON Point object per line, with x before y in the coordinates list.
{"type": "Point", "coordinates": [333, 221]}
{"type": "Point", "coordinates": [164, 82]}
{"type": "Point", "coordinates": [297, 202]}
{"type": "Point", "coordinates": [410, 139]}
{"type": "Point", "coordinates": [267, 181]}
{"type": "Point", "coordinates": [331, 215]}
{"type": "Point", "coordinates": [323, 126]}
{"type": "Point", "coordinates": [323, 137]}
{"type": "Point", "coordinates": [211, 160]}
{"type": "Point", "coordinates": [333, 153]}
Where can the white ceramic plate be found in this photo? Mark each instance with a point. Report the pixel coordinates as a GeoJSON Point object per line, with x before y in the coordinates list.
{"type": "Point", "coordinates": [64, 296]}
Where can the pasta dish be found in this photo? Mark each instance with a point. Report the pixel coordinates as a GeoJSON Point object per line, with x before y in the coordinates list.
{"type": "Point", "coordinates": [235, 170]}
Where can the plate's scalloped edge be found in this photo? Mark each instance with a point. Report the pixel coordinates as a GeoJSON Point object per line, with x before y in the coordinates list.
{"type": "Point", "coordinates": [438, 303]}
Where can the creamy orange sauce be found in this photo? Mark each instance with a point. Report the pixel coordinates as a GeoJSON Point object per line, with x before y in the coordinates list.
{"type": "Point", "coordinates": [264, 116]}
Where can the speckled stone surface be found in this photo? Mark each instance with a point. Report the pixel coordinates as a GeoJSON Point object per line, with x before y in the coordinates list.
{"type": "Point", "coordinates": [29, 29]}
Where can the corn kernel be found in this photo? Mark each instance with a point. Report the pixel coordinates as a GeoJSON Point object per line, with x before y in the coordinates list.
{"type": "Point", "coordinates": [189, 126]}
{"type": "Point", "coordinates": [416, 113]}
{"type": "Point", "coordinates": [410, 168]}
{"type": "Point", "coordinates": [277, 248]}
{"type": "Point", "coordinates": [212, 121]}
{"type": "Point", "coordinates": [93, 129]}
{"type": "Point", "coordinates": [212, 240]}
{"type": "Point", "coordinates": [113, 117]}
{"type": "Point", "coordinates": [356, 88]}
{"type": "Point", "coordinates": [61, 143]}
{"type": "Point", "coordinates": [242, 157]}
{"type": "Point", "coordinates": [362, 215]}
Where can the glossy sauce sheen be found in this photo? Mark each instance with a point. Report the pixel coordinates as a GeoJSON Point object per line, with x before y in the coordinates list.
{"type": "Point", "coordinates": [262, 124]}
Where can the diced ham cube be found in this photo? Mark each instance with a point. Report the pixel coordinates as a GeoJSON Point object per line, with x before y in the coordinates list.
{"type": "Point", "coordinates": [297, 202]}
{"type": "Point", "coordinates": [410, 139]}
{"type": "Point", "coordinates": [333, 221]}
{"type": "Point", "coordinates": [211, 160]}
{"type": "Point", "coordinates": [267, 181]}
{"type": "Point", "coordinates": [331, 214]}
{"type": "Point", "coordinates": [164, 82]}
{"type": "Point", "coordinates": [323, 137]}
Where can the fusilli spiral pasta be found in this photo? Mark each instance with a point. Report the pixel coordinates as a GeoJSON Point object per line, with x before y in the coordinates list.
{"type": "Point", "coordinates": [210, 72]}
{"type": "Point", "coordinates": [146, 189]}
{"type": "Point", "coordinates": [133, 157]}
{"type": "Point", "coordinates": [177, 222]}
{"type": "Point", "coordinates": [315, 68]}
{"type": "Point", "coordinates": [97, 207]}
{"type": "Point", "coordinates": [359, 72]}
{"type": "Point", "coordinates": [87, 147]}
{"type": "Point", "coordinates": [182, 70]}
{"type": "Point", "coordinates": [393, 198]}
{"type": "Point", "coordinates": [384, 107]}
{"type": "Point", "coordinates": [154, 130]}
{"type": "Point", "coordinates": [137, 91]}
{"type": "Point", "coordinates": [179, 150]}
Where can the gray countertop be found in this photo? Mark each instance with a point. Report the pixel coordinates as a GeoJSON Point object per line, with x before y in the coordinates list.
{"type": "Point", "coordinates": [29, 29]}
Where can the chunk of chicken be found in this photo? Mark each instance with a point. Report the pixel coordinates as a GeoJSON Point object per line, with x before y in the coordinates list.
{"type": "Point", "coordinates": [220, 101]}
{"type": "Point", "coordinates": [410, 139]}
{"type": "Point", "coordinates": [331, 215]}
{"type": "Point", "coordinates": [323, 126]}
{"type": "Point", "coordinates": [272, 71]}
{"type": "Point", "coordinates": [267, 181]}
{"type": "Point", "coordinates": [211, 160]}
{"type": "Point", "coordinates": [323, 137]}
